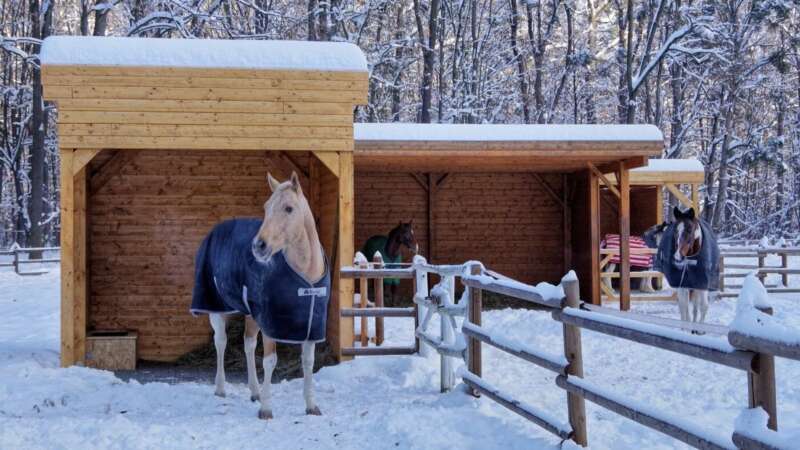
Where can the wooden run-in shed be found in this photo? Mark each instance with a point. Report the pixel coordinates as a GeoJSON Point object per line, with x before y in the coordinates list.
{"type": "Point", "coordinates": [159, 140]}
{"type": "Point", "coordinates": [522, 199]}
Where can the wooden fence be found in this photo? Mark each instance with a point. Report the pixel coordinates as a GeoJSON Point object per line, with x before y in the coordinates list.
{"type": "Point", "coordinates": [753, 356]}
{"type": "Point", "coordinates": [729, 270]}
{"type": "Point", "coordinates": [17, 263]}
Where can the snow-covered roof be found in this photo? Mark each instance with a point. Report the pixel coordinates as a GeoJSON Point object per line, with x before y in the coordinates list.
{"type": "Point", "coordinates": [202, 53]}
{"type": "Point", "coordinates": [503, 132]}
{"type": "Point", "coordinates": [672, 165]}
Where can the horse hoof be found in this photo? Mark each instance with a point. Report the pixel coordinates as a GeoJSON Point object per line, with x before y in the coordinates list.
{"type": "Point", "coordinates": [264, 414]}
{"type": "Point", "coordinates": [220, 393]}
{"type": "Point", "coordinates": [254, 398]}
{"type": "Point", "coordinates": [313, 411]}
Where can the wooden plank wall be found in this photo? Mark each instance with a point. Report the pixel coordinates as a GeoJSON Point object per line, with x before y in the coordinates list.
{"type": "Point", "coordinates": [643, 210]}
{"type": "Point", "coordinates": [506, 220]}
{"type": "Point", "coordinates": [181, 108]}
{"type": "Point", "coordinates": [146, 224]}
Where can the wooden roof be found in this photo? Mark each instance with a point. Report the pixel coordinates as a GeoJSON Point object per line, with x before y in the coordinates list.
{"type": "Point", "coordinates": [658, 172]}
{"type": "Point", "coordinates": [506, 148]}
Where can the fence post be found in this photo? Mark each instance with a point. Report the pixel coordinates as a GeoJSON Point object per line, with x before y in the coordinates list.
{"type": "Point", "coordinates": [761, 384]}
{"type": "Point", "coordinates": [16, 261]}
{"type": "Point", "coordinates": [761, 259]}
{"type": "Point", "coordinates": [474, 363]}
{"type": "Point", "coordinates": [576, 405]}
{"type": "Point", "coordinates": [421, 291]}
{"type": "Point", "coordinates": [721, 273]}
{"type": "Point", "coordinates": [785, 265]}
{"type": "Point", "coordinates": [446, 337]}
{"type": "Point", "coordinates": [378, 260]}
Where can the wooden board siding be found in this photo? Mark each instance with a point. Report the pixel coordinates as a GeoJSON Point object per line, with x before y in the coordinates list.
{"type": "Point", "coordinates": [172, 108]}
{"type": "Point", "coordinates": [505, 220]}
{"type": "Point", "coordinates": [146, 224]}
{"type": "Point", "coordinates": [643, 210]}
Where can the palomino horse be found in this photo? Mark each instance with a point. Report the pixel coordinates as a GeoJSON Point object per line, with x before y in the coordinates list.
{"type": "Point", "coordinates": [275, 273]}
{"type": "Point", "coordinates": [389, 247]}
{"type": "Point", "coordinates": [688, 256]}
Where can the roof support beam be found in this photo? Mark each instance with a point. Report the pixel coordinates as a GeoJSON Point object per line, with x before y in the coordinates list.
{"type": "Point", "coordinates": [603, 178]}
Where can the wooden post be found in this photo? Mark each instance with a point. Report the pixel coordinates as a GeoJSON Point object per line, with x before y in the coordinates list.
{"type": "Point", "coordinates": [785, 265]}
{"type": "Point", "coordinates": [378, 260]}
{"type": "Point", "coordinates": [722, 273]}
{"type": "Point", "coordinates": [572, 351]}
{"type": "Point", "coordinates": [474, 358]}
{"type": "Point", "coordinates": [594, 213]}
{"type": "Point", "coordinates": [566, 213]}
{"type": "Point", "coordinates": [660, 204]}
{"type": "Point", "coordinates": [363, 290]}
{"type": "Point", "coordinates": [696, 199]}
{"type": "Point", "coordinates": [623, 177]}
{"type": "Point", "coordinates": [761, 384]}
{"type": "Point", "coordinates": [761, 263]}
{"type": "Point", "coordinates": [421, 291]}
{"type": "Point", "coordinates": [73, 261]}
{"type": "Point", "coordinates": [431, 218]}
{"type": "Point", "coordinates": [345, 248]}
{"type": "Point", "coordinates": [446, 335]}
{"type": "Point", "coordinates": [16, 261]}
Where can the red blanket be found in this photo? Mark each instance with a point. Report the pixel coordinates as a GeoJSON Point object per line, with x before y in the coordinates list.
{"type": "Point", "coordinates": [611, 241]}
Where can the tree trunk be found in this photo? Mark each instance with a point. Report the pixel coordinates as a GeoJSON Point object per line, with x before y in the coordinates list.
{"type": "Point", "coordinates": [523, 83]}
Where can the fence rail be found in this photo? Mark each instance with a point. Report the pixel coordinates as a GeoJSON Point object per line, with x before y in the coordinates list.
{"type": "Point", "coordinates": [17, 263]}
{"type": "Point", "coordinates": [752, 355]}
{"type": "Point", "coordinates": [728, 270]}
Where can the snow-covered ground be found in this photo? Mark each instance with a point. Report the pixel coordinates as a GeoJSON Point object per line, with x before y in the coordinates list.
{"type": "Point", "coordinates": [371, 402]}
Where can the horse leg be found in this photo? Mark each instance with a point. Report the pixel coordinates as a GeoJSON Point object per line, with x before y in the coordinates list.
{"type": "Point", "coordinates": [218, 322]}
{"type": "Point", "coordinates": [270, 361]}
{"type": "Point", "coordinates": [646, 285]}
{"type": "Point", "coordinates": [250, 342]}
{"type": "Point", "coordinates": [702, 302]}
{"type": "Point", "coordinates": [683, 303]}
{"type": "Point", "coordinates": [307, 359]}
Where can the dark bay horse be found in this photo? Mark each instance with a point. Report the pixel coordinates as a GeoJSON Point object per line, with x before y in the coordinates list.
{"type": "Point", "coordinates": [389, 247]}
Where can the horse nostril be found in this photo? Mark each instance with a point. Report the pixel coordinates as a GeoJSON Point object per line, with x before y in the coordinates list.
{"type": "Point", "coordinates": [259, 245]}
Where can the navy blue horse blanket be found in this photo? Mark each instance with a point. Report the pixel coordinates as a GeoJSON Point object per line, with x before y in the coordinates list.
{"type": "Point", "coordinates": [700, 271]}
{"type": "Point", "coordinates": [228, 279]}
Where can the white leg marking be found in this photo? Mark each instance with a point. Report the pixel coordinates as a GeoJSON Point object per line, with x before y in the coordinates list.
{"type": "Point", "coordinates": [218, 322]}
{"type": "Point", "coordinates": [683, 303]}
{"type": "Point", "coordinates": [250, 342]}
{"type": "Point", "coordinates": [702, 299]}
{"type": "Point", "coordinates": [270, 361]}
{"type": "Point", "coordinates": [695, 304]}
{"type": "Point", "coordinates": [307, 359]}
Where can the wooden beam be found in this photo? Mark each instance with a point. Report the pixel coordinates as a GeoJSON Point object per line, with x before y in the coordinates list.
{"type": "Point", "coordinates": [432, 187]}
{"type": "Point", "coordinates": [623, 175]}
{"type": "Point", "coordinates": [422, 181]}
{"type": "Point", "coordinates": [603, 178]}
{"type": "Point", "coordinates": [659, 205]}
{"type": "Point", "coordinates": [566, 218]}
{"type": "Point", "coordinates": [332, 161]}
{"type": "Point", "coordinates": [80, 257]}
{"type": "Point", "coordinates": [696, 198]}
{"type": "Point", "coordinates": [67, 259]}
{"type": "Point", "coordinates": [594, 228]}
{"type": "Point", "coordinates": [345, 249]}
{"type": "Point", "coordinates": [300, 171]}
{"type": "Point", "coordinates": [111, 168]}
{"type": "Point", "coordinates": [442, 180]}
{"type": "Point", "coordinates": [550, 191]}
{"type": "Point", "coordinates": [682, 198]}
{"type": "Point", "coordinates": [81, 158]}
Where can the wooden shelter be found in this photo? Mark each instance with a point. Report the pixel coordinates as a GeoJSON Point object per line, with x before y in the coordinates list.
{"type": "Point", "coordinates": [159, 140]}
{"type": "Point", "coordinates": [523, 199]}
{"type": "Point", "coordinates": [649, 184]}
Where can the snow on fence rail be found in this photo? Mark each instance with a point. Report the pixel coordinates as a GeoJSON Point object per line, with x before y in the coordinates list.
{"type": "Point", "coordinates": [752, 343]}
{"type": "Point", "coordinates": [728, 270]}
{"type": "Point", "coordinates": [17, 262]}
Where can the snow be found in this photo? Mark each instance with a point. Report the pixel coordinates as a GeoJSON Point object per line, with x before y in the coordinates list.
{"type": "Point", "coordinates": [504, 132]}
{"type": "Point", "coordinates": [370, 402]}
{"type": "Point", "coordinates": [202, 53]}
{"type": "Point", "coordinates": [543, 289]}
{"type": "Point", "coordinates": [672, 165]}
{"type": "Point", "coordinates": [752, 423]}
{"type": "Point", "coordinates": [751, 321]}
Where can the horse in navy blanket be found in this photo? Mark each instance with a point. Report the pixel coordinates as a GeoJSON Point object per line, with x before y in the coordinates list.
{"type": "Point", "coordinates": [275, 273]}
{"type": "Point", "coordinates": [688, 256]}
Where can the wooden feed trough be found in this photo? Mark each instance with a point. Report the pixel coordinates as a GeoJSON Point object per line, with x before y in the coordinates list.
{"type": "Point", "coordinates": [159, 140]}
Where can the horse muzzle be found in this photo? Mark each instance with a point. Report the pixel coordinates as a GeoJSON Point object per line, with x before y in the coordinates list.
{"type": "Point", "coordinates": [261, 250]}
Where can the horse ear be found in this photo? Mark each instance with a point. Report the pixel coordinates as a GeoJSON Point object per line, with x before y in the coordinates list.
{"type": "Point", "coordinates": [411, 222]}
{"type": "Point", "coordinates": [677, 213]}
{"type": "Point", "coordinates": [690, 214]}
{"type": "Point", "coordinates": [295, 182]}
{"type": "Point", "coordinates": [273, 183]}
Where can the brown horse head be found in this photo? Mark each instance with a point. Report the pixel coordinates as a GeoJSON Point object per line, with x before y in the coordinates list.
{"type": "Point", "coordinates": [286, 216]}
{"type": "Point", "coordinates": [403, 234]}
{"type": "Point", "coordinates": [688, 234]}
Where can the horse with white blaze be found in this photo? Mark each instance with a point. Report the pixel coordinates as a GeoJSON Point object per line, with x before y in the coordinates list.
{"type": "Point", "coordinates": [274, 272]}
{"type": "Point", "coordinates": [688, 256]}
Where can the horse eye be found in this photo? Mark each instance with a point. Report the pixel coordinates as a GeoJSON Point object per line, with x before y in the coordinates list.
{"type": "Point", "coordinates": [288, 209]}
